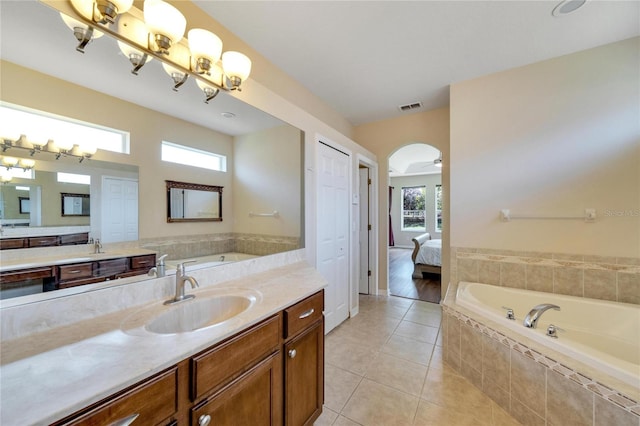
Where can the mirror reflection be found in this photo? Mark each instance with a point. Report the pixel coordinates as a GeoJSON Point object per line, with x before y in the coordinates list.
{"type": "Point", "coordinates": [75, 204]}
{"type": "Point", "coordinates": [193, 202]}
{"type": "Point", "coordinates": [42, 71]}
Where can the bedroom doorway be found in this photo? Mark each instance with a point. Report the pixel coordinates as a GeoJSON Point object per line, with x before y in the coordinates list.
{"type": "Point", "coordinates": [415, 209]}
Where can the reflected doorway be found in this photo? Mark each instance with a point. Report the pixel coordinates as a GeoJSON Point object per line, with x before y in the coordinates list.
{"type": "Point", "coordinates": [415, 210]}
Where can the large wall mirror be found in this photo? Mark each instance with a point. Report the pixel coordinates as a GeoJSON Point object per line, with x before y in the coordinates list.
{"type": "Point", "coordinates": [41, 70]}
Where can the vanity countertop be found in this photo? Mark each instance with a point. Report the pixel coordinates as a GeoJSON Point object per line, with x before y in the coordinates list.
{"type": "Point", "coordinates": [12, 263]}
{"type": "Point", "coordinates": [54, 373]}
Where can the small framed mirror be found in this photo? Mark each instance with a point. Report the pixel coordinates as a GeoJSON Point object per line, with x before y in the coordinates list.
{"type": "Point", "coordinates": [192, 202]}
{"type": "Point", "coordinates": [75, 204]}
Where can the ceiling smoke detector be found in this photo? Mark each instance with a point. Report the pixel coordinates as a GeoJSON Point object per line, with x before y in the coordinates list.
{"type": "Point", "coordinates": [566, 7]}
{"type": "Point", "coordinates": [409, 107]}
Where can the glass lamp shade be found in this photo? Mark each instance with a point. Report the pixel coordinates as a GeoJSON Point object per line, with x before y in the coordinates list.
{"type": "Point", "coordinates": [129, 51]}
{"type": "Point", "coordinates": [5, 176]}
{"type": "Point", "coordinates": [235, 64]}
{"type": "Point", "coordinates": [88, 148]}
{"type": "Point", "coordinates": [51, 146]}
{"type": "Point", "coordinates": [74, 23]}
{"type": "Point", "coordinates": [26, 163]}
{"type": "Point", "coordinates": [204, 44]}
{"type": "Point", "coordinates": [22, 142]}
{"type": "Point", "coordinates": [179, 54]}
{"type": "Point", "coordinates": [172, 71]}
{"type": "Point", "coordinates": [134, 30]}
{"type": "Point", "coordinates": [9, 161]}
{"type": "Point", "coordinates": [163, 19]}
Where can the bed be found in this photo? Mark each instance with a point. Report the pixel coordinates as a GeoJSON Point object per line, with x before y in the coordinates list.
{"type": "Point", "coordinates": [426, 256]}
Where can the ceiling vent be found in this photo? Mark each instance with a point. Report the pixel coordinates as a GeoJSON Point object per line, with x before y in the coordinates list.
{"type": "Point", "coordinates": [409, 107]}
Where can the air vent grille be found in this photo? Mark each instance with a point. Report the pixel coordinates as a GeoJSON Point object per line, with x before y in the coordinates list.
{"type": "Point", "coordinates": [409, 107]}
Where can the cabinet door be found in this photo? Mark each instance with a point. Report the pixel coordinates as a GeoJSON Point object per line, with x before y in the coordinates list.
{"type": "Point", "coordinates": [255, 399]}
{"type": "Point", "coordinates": [304, 377]}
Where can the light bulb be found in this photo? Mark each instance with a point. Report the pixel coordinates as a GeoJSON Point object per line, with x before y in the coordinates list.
{"type": "Point", "coordinates": [77, 26]}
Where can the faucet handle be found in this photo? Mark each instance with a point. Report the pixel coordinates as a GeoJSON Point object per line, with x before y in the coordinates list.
{"type": "Point", "coordinates": [552, 331]}
{"type": "Point", "coordinates": [160, 260]}
{"type": "Point", "coordinates": [181, 266]}
{"type": "Point", "coordinates": [510, 314]}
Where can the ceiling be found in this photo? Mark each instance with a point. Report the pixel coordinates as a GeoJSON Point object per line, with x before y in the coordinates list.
{"type": "Point", "coordinates": [365, 58]}
{"type": "Point", "coordinates": [414, 159]}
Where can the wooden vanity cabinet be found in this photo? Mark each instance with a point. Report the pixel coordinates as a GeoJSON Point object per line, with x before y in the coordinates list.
{"type": "Point", "coordinates": [44, 241]}
{"type": "Point", "coordinates": [13, 243]}
{"type": "Point", "coordinates": [246, 379]}
{"type": "Point", "coordinates": [304, 361]}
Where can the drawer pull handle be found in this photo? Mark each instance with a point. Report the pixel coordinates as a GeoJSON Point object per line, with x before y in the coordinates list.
{"type": "Point", "coordinates": [204, 420]}
{"type": "Point", "coordinates": [125, 421]}
{"type": "Point", "coordinates": [292, 353]}
{"type": "Point", "coordinates": [143, 262]}
{"type": "Point", "coordinates": [307, 313]}
{"type": "Point", "coordinates": [75, 271]}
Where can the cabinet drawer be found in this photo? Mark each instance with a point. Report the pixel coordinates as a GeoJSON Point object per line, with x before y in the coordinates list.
{"type": "Point", "coordinates": [13, 243]}
{"type": "Point", "coordinates": [73, 272]}
{"type": "Point", "coordinates": [303, 314]}
{"type": "Point", "coordinates": [146, 261]}
{"type": "Point", "coordinates": [43, 241]}
{"type": "Point", "coordinates": [26, 274]}
{"type": "Point", "coordinates": [112, 266]}
{"type": "Point", "coordinates": [213, 369]}
{"type": "Point", "coordinates": [81, 238]}
{"type": "Point", "coordinates": [154, 400]}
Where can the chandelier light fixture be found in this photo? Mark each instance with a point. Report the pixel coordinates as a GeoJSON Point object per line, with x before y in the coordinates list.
{"type": "Point", "coordinates": [60, 149]}
{"type": "Point", "coordinates": [157, 32]}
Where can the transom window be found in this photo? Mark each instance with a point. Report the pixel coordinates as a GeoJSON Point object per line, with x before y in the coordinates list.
{"type": "Point", "coordinates": [186, 155]}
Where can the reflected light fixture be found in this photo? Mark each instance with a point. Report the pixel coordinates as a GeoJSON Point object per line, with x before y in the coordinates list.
{"type": "Point", "coordinates": [5, 176]}
{"type": "Point", "coordinates": [157, 31]}
{"type": "Point", "coordinates": [67, 149]}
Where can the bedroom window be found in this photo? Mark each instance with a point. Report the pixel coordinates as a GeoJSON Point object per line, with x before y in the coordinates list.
{"type": "Point", "coordinates": [413, 208]}
{"type": "Point", "coordinates": [438, 208]}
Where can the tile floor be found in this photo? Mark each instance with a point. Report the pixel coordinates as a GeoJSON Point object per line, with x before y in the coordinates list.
{"type": "Point", "coordinates": [384, 367]}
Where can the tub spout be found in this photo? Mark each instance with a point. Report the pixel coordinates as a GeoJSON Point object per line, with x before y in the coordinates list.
{"type": "Point", "coordinates": [531, 320]}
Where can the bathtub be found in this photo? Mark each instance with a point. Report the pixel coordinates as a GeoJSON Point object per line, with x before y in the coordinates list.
{"type": "Point", "coordinates": [603, 335]}
{"type": "Point", "coordinates": [209, 260]}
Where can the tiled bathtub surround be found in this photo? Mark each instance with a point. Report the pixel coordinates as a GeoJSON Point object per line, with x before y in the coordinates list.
{"type": "Point", "coordinates": [532, 387]}
{"type": "Point", "coordinates": [597, 277]}
{"type": "Point", "coordinates": [204, 245]}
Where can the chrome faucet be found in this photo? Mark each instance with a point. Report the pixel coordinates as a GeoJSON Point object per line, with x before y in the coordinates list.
{"type": "Point", "coordinates": [531, 320]}
{"type": "Point", "coordinates": [97, 246]}
{"type": "Point", "coordinates": [159, 269]}
{"type": "Point", "coordinates": [181, 280]}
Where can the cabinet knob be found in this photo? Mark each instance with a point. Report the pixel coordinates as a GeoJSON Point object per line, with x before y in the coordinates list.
{"type": "Point", "coordinates": [204, 420]}
{"type": "Point", "coordinates": [292, 353]}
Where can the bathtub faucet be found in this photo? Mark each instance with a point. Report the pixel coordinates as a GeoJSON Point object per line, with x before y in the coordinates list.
{"type": "Point", "coordinates": [531, 320]}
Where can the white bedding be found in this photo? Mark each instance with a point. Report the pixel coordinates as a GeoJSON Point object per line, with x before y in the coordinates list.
{"type": "Point", "coordinates": [430, 253]}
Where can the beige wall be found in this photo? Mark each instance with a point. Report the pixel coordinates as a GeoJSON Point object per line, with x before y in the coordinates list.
{"type": "Point", "coordinates": [383, 138]}
{"type": "Point", "coordinates": [552, 138]}
{"type": "Point", "coordinates": [280, 191]}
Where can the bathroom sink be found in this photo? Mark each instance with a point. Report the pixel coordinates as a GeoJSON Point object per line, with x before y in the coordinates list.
{"type": "Point", "coordinates": [197, 313]}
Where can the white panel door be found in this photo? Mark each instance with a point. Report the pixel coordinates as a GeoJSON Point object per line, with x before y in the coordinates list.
{"type": "Point", "coordinates": [333, 232]}
{"type": "Point", "coordinates": [119, 210]}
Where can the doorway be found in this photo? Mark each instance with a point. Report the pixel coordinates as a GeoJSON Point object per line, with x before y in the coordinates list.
{"type": "Point", "coordinates": [415, 208]}
{"type": "Point", "coordinates": [119, 212]}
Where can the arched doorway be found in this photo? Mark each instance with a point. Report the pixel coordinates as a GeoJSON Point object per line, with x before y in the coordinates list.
{"type": "Point", "coordinates": [415, 212]}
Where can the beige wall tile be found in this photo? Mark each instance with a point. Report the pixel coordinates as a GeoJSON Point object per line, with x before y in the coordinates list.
{"type": "Point", "coordinates": [498, 394]}
{"type": "Point", "coordinates": [452, 354]}
{"type": "Point", "coordinates": [512, 275]}
{"type": "Point", "coordinates": [501, 417]}
{"type": "Point", "coordinates": [528, 380]}
{"type": "Point", "coordinates": [569, 281]}
{"type": "Point", "coordinates": [471, 347]}
{"type": "Point", "coordinates": [608, 414]}
{"type": "Point", "coordinates": [489, 272]}
{"type": "Point", "coordinates": [628, 288]}
{"type": "Point", "coordinates": [568, 402]}
{"type": "Point", "coordinates": [496, 360]}
{"type": "Point", "coordinates": [467, 270]}
{"type": "Point", "coordinates": [600, 284]}
{"type": "Point", "coordinates": [539, 278]}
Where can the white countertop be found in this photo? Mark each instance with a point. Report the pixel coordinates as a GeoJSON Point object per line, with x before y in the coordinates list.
{"type": "Point", "coordinates": [50, 374]}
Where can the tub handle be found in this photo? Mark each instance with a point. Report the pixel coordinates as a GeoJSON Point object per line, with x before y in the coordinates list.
{"type": "Point", "coordinates": [510, 314]}
{"type": "Point", "coordinates": [552, 331]}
